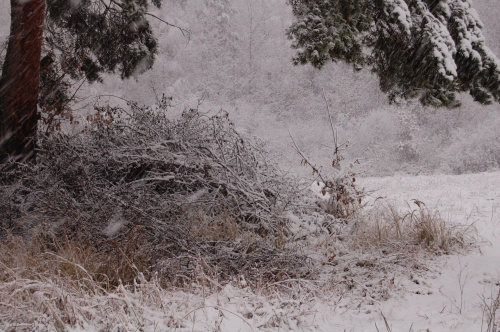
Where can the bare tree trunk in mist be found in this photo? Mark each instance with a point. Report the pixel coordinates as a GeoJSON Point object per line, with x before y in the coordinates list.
{"type": "Point", "coordinates": [20, 81]}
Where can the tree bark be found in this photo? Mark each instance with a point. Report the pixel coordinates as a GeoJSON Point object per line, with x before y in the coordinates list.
{"type": "Point", "coordinates": [19, 83]}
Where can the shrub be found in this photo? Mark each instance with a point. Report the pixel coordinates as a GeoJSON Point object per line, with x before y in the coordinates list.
{"type": "Point", "coordinates": [160, 192]}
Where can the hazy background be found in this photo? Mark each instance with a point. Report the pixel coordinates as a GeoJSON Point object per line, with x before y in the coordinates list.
{"type": "Point", "coordinates": [238, 59]}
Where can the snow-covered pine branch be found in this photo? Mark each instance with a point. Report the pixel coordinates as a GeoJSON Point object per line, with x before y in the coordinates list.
{"type": "Point", "coordinates": [426, 49]}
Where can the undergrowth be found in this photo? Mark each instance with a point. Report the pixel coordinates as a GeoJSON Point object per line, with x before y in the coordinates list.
{"type": "Point", "coordinates": [113, 220]}
{"type": "Point", "coordinates": [385, 225]}
{"type": "Point", "coordinates": [137, 192]}
{"type": "Point", "coordinates": [490, 307]}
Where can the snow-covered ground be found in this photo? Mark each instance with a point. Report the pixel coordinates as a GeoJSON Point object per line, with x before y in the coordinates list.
{"type": "Point", "coordinates": [357, 288]}
{"type": "Point", "coordinates": [451, 295]}
{"type": "Point", "coordinates": [450, 298]}
{"type": "Point", "coordinates": [446, 295]}
{"type": "Point", "coordinates": [456, 283]}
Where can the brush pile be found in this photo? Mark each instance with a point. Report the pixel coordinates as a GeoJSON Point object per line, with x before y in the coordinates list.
{"type": "Point", "coordinates": [158, 195]}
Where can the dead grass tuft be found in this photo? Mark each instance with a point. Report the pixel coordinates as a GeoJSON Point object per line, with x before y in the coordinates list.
{"type": "Point", "coordinates": [386, 225]}
{"type": "Point", "coordinates": [74, 259]}
{"type": "Point", "coordinates": [212, 229]}
{"type": "Point", "coordinates": [490, 307]}
{"type": "Point", "coordinates": [52, 284]}
{"type": "Point", "coordinates": [69, 285]}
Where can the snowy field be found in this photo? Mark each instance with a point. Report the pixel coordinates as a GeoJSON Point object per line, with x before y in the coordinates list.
{"type": "Point", "coordinates": [447, 297]}
{"type": "Point", "coordinates": [455, 284]}
{"type": "Point", "coordinates": [448, 293]}
{"type": "Point", "coordinates": [350, 285]}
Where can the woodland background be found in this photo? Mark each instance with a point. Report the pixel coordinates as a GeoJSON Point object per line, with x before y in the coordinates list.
{"type": "Point", "coordinates": [238, 58]}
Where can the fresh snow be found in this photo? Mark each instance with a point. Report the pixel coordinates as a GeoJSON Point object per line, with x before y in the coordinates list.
{"type": "Point", "coordinates": [447, 297]}
{"type": "Point", "coordinates": [399, 9]}
{"type": "Point", "coordinates": [472, 199]}
{"type": "Point", "coordinates": [444, 295]}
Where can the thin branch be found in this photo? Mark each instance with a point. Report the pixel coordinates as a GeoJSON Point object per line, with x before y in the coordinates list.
{"type": "Point", "coordinates": [75, 92]}
{"type": "Point", "coordinates": [183, 31]}
{"type": "Point", "coordinates": [331, 121]}
{"type": "Point", "coordinates": [304, 158]}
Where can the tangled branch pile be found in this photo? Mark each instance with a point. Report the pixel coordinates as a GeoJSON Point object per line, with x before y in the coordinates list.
{"type": "Point", "coordinates": [173, 197]}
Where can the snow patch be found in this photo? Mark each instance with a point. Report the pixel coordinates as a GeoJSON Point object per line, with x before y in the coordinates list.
{"type": "Point", "coordinates": [399, 9]}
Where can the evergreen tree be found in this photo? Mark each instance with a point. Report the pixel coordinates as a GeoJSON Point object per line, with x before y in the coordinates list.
{"type": "Point", "coordinates": [81, 39]}
{"type": "Point", "coordinates": [430, 49]}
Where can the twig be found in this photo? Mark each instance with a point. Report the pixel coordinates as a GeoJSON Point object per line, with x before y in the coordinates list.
{"type": "Point", "coordinates": [184, 31]}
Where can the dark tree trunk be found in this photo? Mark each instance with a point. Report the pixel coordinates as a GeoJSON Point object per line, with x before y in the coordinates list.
{"type": "Point", "coordinates": [20, 81]}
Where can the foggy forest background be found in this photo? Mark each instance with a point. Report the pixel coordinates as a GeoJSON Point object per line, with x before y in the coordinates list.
{"type": "Point", "coordinates": [238, 58]}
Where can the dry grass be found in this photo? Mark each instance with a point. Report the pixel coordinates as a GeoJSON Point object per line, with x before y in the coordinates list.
{"type": "Point", "coordinates": [109, 266]}
{"type": "Point", "coordinates": [386, 225]}
{"type": "Point", "coordinates": [50, 285]}
{"type": "Point", "coordinates": [51, 291]}
{"type": "Point", "coordinates": [491, 309]}
{"type": "Point", "coordinates": [213, 229]}
{"type": "Point", "coordinates": [54, 285]}
{"type": "Point", "coordinates": [362, 259]}
{"type": "Point", "coordinates": [49, 282]}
